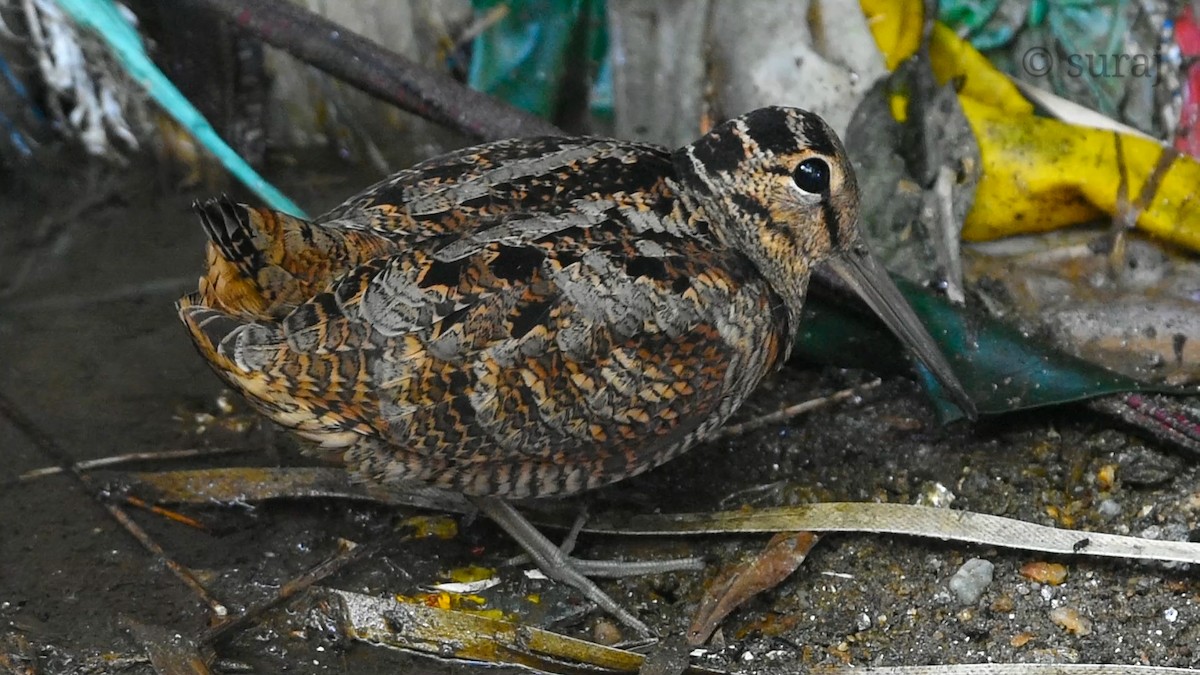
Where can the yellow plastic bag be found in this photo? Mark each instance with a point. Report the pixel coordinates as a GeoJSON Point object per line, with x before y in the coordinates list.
{"type": "Point", "coordinates": [1039, 173]}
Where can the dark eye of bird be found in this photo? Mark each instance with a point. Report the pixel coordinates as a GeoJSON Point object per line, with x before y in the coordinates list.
{"type": "Point", "coordinates": [812, 175]}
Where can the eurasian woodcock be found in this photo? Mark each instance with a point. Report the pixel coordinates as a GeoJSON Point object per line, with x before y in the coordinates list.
{"type": "Point", "coordinates": [538, 316]}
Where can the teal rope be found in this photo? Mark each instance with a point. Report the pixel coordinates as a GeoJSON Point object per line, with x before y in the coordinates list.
{"type": "Point", "coordinates": [103, 17]}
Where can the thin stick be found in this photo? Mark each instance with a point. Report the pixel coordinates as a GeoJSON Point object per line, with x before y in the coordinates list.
{"type": "Point", "coordinates": [1127, 214]}
{"type": "Point", "coordinates": [377, 71]}
{"type": "Point", "coordinates": [490, 18]}
{"type": "Point", "coordinates": [165, 513]}
{"type": "Point", "coordinates": [155, 456]}
{"type": "Point", "coordinates": [794, 410]}
{"type": "Point", "coordinates": [183, 573]}
{"type": "Point", "coordinates": [56, 452]}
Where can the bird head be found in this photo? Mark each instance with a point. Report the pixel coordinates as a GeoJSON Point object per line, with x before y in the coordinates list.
{"type": "Point", "coordinates": [776, 185]}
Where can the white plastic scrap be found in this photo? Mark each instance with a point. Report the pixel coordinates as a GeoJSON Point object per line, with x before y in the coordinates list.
{"type": "Point", "coordinates": [467, 586]}
{"type": "Point", "coordinates": [91, 97]}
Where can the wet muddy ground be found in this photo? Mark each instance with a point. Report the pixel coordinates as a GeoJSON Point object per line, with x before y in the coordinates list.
{"type": "Point", "coordinates": [90, 349]}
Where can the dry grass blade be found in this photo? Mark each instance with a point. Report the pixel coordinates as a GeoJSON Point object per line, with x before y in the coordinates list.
{"type": "Point", "coordinates": [234, 485]}
{"type": "Point", "coordinates": [462, 635]}
{"type": "Point", "coordinates": [174, 516]}
{"type": "Point", "coordinates": [181, 572]}
{"type": "Point", "coordinates": [906, 519]}
{"type": "Point", "coordinates": [1069, 111]}
{"type": "Point", "coordinates": [255, 484]}
{"type": "Point", "coordinates": [242, 484]}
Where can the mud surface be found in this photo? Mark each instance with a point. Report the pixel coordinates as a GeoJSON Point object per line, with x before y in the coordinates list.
{"type": "Point", "coordinates": [92, 262]}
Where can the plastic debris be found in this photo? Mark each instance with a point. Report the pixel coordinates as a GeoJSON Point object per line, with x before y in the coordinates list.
{"type": "Point", "coordinates": [1084, 50]}
{"type": "Point", "coordinates": [527, 57]}
{"type": "Point", "coordinates": [88, 94]}
{"type": "Point", "coordinates": [1041, 174]}
{"type": "Point", "coordinates": [1187, 131]}
{"type": "Point", "coordinates": [106, 19]}
{"type": "Point", "coordinates": [1001, 368]}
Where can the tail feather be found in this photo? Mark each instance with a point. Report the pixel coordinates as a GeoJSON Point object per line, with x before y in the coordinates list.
{"type": "Point", "coordinates": [208, 328]}
{"type": "Point", "coordinates": [228, 227]}
{"type": "Point", "coordinates": [262, 264]}
{"type": "Point", "coordinates": [248, 354]}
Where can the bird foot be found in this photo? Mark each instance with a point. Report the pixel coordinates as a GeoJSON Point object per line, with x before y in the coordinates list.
{"type": "Point", "coordinates": [554, 562]}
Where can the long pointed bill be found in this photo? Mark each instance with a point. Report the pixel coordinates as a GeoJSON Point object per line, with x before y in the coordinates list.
{"type": "Point", "coordinates": [863, 273]}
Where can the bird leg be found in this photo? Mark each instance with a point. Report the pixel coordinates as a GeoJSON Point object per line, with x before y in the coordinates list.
{"type": "Point", "coordinates": [567, 545]}
{"type": "Point", "coordinates": [554, 562]}
{"type": "Point", "coordinates": [613, 569]}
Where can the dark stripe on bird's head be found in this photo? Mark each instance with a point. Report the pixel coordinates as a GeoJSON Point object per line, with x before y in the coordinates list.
{"type": "Point", "coordinates": [720, 150]}
{"type": "Point", "coordinates": [770, 129]}
{"type": "Point", "coordinates": [830, 219]}
{"type": "Point", "coordinates": [818, 137]}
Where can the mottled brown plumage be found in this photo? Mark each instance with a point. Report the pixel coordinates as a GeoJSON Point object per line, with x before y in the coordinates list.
{"type": "Point", "coordinates": [536, 317]}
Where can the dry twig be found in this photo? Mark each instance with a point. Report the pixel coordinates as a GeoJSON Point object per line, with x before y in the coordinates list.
{"type": "Point", "coordinates": [114, 460]}
{"type": "Point", "coordinates": [794, 410]}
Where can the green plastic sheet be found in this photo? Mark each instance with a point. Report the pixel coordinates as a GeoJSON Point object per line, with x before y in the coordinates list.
{"type": "Point", "coordinates": [534, 57]}
{"type": "Point", "coordinates": [1002, 369]}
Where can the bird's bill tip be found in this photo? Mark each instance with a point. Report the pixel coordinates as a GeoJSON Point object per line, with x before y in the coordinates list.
{"type": "Point", "coordinates": [860, 270]}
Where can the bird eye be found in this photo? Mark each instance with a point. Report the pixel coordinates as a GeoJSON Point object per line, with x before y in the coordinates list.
{"type": "Point", "coordinates": [812, 175]}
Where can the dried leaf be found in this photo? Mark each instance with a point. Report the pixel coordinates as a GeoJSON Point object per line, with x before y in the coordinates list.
{"type": "Point", "coordinates": [776, 562]}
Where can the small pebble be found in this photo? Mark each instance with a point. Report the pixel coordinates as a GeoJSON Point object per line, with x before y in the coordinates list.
{"type": "Point", "coordinates": [1070, 620]}
{"type": "Point", "coordinates": [605, 632]}
{"type": "Point", "coordinates": [225, 402]}
{"type": "Point", "coordinates": [1021, 639]}
{"type": "Point", "coordinates": [971, 580]}
{"type": "Point", "coordinates": [1044, 572]}
{"type": "Point", "coordinates": [1109, 508]}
